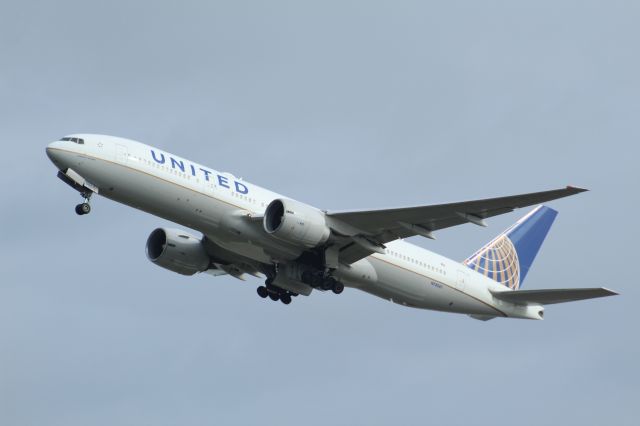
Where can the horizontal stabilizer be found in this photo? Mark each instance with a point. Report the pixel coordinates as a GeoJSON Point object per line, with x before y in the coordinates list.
{"type": "Point", "coordinates": [549, 297]}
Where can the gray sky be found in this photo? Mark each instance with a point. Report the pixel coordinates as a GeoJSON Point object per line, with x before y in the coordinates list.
{"type": "Point", "coordinates": [343, 105]}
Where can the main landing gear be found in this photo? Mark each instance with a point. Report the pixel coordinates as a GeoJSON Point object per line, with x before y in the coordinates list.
{"type": "Point", "coordinates": [84, 208]}
{"type": "Point", "coordinates": [275, 293]}
{"type": "Point", "coordinates": [322, 281]}
{"type": "Point", "coordinates": [337, 287]}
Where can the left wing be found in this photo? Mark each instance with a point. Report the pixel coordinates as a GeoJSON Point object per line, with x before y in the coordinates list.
{"type": "Point", "coordinates": [367, 231]}
{"type": "Point", "coordinates": [225, 262]}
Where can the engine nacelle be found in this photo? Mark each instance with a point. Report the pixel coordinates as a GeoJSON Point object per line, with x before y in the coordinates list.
{"type": "Point", "coordinates": [177, 251]}
{"type": "Point", "coordinates": [296, 223]}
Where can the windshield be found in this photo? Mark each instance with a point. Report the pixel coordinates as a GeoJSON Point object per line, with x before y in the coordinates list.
{"type": "Point", "coordinates": [74, 140]}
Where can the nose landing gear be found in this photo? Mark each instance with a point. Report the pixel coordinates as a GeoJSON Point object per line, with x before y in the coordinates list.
{"type": "Point", "coordinates": [80, 184]}
{"type": "Point", "coordinates": [84, 208]}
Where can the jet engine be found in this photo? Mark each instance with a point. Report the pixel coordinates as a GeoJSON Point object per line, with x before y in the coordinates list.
{"type": "Point", "coordinates": [177, 251]}
{"type": "Point", "coordinates": [296, 223]}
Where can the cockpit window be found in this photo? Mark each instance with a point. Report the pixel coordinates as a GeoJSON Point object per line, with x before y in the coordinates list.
{"type": "Point", "coordinates": [79, 141]}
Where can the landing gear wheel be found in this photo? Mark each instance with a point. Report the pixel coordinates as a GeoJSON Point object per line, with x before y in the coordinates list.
{"type": "Point", "coordinates": [263, 292]}
{"type": "Point", "coordinates": [338, 287]}
{"type": "Point", "coordinates": [83, 208]}
{"type": "Point", "coordinates": [285, 298]}
{"type": "Point", "coordinates": [274, 297]}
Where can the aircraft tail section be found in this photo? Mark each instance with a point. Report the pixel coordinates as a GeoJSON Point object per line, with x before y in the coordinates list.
{"type": "Point", "coordinates": [508, 257]}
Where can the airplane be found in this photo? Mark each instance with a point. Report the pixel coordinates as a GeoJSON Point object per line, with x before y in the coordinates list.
{"type": "Point", "coordinates": [297, 248]}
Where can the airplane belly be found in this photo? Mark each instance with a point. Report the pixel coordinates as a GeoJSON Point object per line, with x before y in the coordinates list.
{"type": "Point", "coordinates": [222, 222]}
{"type": "Point", "coordinates": [397, 285]}
{"type": "Point", "coordinates": [411, 289]}
{"type": "Point", "coordinates": [154, 195]}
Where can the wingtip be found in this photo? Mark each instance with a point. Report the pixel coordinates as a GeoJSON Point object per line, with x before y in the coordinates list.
{"type": "Point", "coordinates": [610, 292]}
{"type": "Point", "coordinates": [576, 189]}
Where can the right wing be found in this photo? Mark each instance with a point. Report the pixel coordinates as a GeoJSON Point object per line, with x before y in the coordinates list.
{"type": "Point", "coordinates": [549, 297]}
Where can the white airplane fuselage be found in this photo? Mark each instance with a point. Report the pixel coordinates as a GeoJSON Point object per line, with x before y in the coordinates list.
{"type": "Point", "coordinates": [219, 204]}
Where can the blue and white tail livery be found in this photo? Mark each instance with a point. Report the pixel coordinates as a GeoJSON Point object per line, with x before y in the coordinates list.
{"type": "Point", "coordinates": [508, 257]}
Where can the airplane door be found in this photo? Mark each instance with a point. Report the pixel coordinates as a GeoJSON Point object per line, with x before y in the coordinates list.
{"type": "Point", "coordinates": [461, 282]}
{"type": "Point", "coordinates": [121, 154]}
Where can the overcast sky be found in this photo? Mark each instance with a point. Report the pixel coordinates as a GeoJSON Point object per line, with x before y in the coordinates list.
{"type": "Point", "coordinates": [344, 105]}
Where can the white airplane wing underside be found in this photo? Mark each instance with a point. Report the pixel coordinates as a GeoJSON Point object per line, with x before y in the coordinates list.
{"type": "Point", "coordinates": [369, 230]}
{"type": "Point", "coordinates": [225, 262]}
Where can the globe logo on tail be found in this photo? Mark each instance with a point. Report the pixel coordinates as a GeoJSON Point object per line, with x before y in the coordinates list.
{"type": "Point", "coordinates": [498, 260]}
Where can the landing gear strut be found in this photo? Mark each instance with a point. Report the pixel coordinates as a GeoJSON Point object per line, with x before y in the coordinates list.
{"type": "Point", "coordinates": [84, 208]}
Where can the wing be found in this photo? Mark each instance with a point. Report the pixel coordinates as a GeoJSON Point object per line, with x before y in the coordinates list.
{"type": "Point", "coordinates": [225, 262]}
{"type": "Point", "coordinates": [367, 231]}
{"type": "Point", "coordinates": [236, 270]}
{"type": "Point", "coordinates": [548, 297]}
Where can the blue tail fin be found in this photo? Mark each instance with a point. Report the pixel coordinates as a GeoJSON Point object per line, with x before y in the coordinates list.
{"type": "Point", "coordinates": [508, 257]}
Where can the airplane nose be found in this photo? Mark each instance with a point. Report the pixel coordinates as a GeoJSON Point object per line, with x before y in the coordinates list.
{"type": "Point", "coordinates": [53, 152]}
